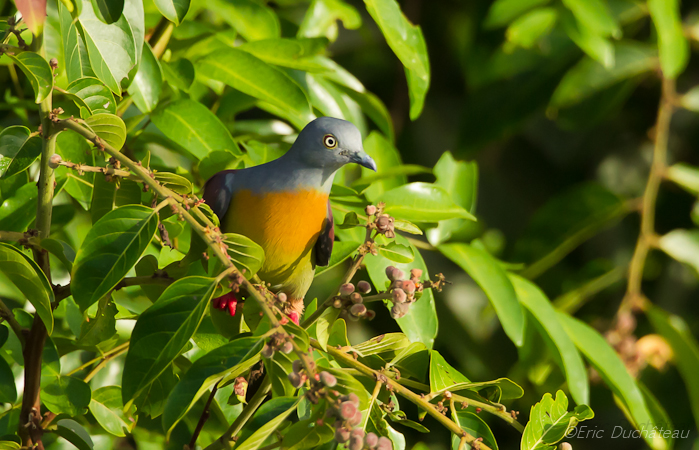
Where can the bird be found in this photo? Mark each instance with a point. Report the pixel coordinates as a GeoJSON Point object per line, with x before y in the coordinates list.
{"type": "Point", "coordinates": [284, 207]}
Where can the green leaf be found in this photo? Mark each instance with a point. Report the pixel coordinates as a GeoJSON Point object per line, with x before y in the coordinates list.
{"type": "Point", "coordinates": [595, 45]}
{"type": "Point", "coordinates": [109, 128]}
{"type": "Point", "coordinates": [18, 210]}
{"type": "Point", "coordinates": [62, 394]}
{"type": "Point", "coordinates": [320, 329]}
{"type": "Point", "coordinates": [682, 245]}
{"type": "Point", "coordinates": [613, 371]}
{"type": "Point", "coordinates": [373, 107]}
{"type": "Point", "coordinates": [74, 148]}
{"type": "Point", "coordinates": [8, 390]}
{"type": "Point", "coordinates": [420, 323]}
{"type": "Point", "coordinates": [501, 388]}
{"type": "Point", "coordinates": [174, 182]}
{"type": "Point", "coordinates": [148, 82]}
{"type": "Point", "coordinates": [492, 278]}
{"type": "Point", "coordinates": [38, 73]}
{"type": "Point", "coordinates": [685, 348]}
{"type": "Point", "coordinates": [306, 434]}
{"type": "Point", "coordinates": [550, 421]}
{"type": "Point", "coordinates": [407, 42]}
{"type": "Point", "coordinates": [163, 330]}
{"type": "Point", "coordinates": [192, 125]}
{"type": "Point", "coordinates": [589, 77]}
{"type": "Point", "coordinates": [502, 12]}
{"type": "Point", "coordinates": [567, 356]}
{"type": "Point", "coordinates": [252, 20]}
{"type": "Point", "coordinates": [215, 162]}
{"type": "Point", "coordinates": [173, 10]}
{"type": "Point", "coordinates": [595, 15]}
{"type": "Point", "coordinates": [526, 30]}
{"type": "Point", "coordinates": [342, 250]}
{"type": "Point", "coordinates": [292, 53]}
{"type": "Point", "coordinates": [244, 252]}
{"type": "Point", "coordinates": [252, 76]}
{"type": "Point", "coordinates": [30, 280]}
{"type": "Point", "coordinates": [673, 46]}
{"type": "Point", "coordinates": [391, 172]}
{"type": "Point", "coordinates": [110, 249]}
{"type": "Point", "coordinates": [322, 16]}
{"type": "Point", "coordinates": [389, 342]}
{"type": "Point", "coordinates": [74, 433]}
{"type": "Point", "coordinates": [397, 252]}
{"type": "Point", "coordinates": [100, 328]}
{"type": "Point", "coordinates": [179, 73]}
{"type": "Point", "coordinates": [229, 360]}
{"type": "Point", "coordinates": [108, 409]}
{"type": "Point", "coordinates": [263, 424]}
{"type": "Point", "coordinates": [684, 175]}
{"type": "Point", "coordinates": [422, 202]}
{"type": "Point", "coordinates": [108, 11]}
{"type": "Point", "coordinates": [19, 150]}
{"type": "Point", "coordinates": [442, 374]}
{"type": "Point", "coordinates": [9, 445]}
{"type": "Point", "coordinates": [386, 156]}
{"type": "Point", "coordinates": [77, 61]}
{"type": "Point", "coordinates": [475, 426]}
{"type": "Point", "coordinates": [111, 48]}
{"type": "Point", "coordinates": [460, 180]}
{"type": "Point", "coordinates": [95, 96]}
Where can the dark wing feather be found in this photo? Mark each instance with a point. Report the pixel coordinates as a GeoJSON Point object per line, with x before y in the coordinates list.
{"type": "Point", "coordinates": [217, 193]}
{"type": "Point", "coordinates": [324, 244]}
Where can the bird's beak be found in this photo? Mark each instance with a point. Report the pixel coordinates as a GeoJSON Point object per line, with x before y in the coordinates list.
{"type": "Point", "coordinates": [363, 160]}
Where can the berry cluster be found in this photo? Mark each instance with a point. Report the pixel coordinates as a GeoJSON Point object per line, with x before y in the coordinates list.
{"type": "Point", "coordinates": [403, 291]}
{"type": "Point", "coordinates": [384, 223]}
{"type": "Point", "coordinates": [352, 301]}
{"type": "Point", "coordinates": [278, 342]}
{"type": "Point", "coordinates": [345, 411]}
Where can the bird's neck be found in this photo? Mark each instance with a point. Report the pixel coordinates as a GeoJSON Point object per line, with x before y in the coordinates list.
{"type": "Point", "coordinates": [286, 171]}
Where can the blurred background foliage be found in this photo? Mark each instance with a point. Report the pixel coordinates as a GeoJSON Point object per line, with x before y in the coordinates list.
{"type": "Point", "coordinates": [552, 103]}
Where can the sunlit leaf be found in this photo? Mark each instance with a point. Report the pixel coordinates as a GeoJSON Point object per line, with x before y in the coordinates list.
{"type": "Point", "coordinates": [550, 421]}
{"type": "Point", "coordinates": [19, 150]}
{"type": "Point", "coordinates": [673, 46]}
{"type": "Point", "coordinates": [422, 202]}
{"type": "Point", "coordinates": [107, 408]}
{"type": "Point", "coordinates": [38, 73]}
{"type": "Point", "coordinates": [173, 10]}
{"type": "Point", "coordinates": [109, 128]}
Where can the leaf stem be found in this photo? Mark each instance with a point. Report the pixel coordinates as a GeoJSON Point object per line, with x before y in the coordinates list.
{"type": "Point", "coordinates": [6, 314]}
{"type": "Point", "coordinates": [391, 384]}
{"type": "Point", "coordinates": [203, 418]}
{"type": "Point", "coordinates": [634, 296]}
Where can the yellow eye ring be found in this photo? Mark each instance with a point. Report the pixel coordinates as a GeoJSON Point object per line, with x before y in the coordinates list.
{"type": "Point", "coordinates": [330, 141]}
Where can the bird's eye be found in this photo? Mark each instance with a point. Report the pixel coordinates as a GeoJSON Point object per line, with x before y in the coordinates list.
{"type": "Point", "coordinates": [330, 141]}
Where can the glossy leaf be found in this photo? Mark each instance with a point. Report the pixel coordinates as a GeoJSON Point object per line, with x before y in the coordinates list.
{"type": "Point", "coordinates": [148, 82]}
{"type": "Point", "coordinates": [65, 395]}
{"type": "Point", "coordinates": [100, 328]}
{"type": "Point", "coordinates": [292, 53]}
{"type": "Point", "coordinates": [550, 421]}
{"type": "Point", "coordinates": [94, 95]}
{"type": "Point", "coordinates": [597, 46]}
{"type": "Point", "coordinates": [74, 433]}
{"type": "Point", "coordinates": [110, 249]}
{"type": "Point", "coordinates": [173, 10]}
{"type": "Point", "coordinates": [19, 150]}
{"type": "Point", "coordinates": [163, 330]}
{"type": "Point", "coordinates": [30, 280]}
{"type": "Point", "coordinates": [613, 371]}
{"type": "Point", "coordinates": [342, 250]}
{"type": "Point", "coordinates": [254, 77]}
{"type": "Point", "coordinates": [251, 19]}
{"type": "Point", "coordinates": [174, 182]}
{"type": "Point", "coordinates": [397, 252]}
{"type": "Point", "coordinates": [61, 250]}
{"type": "Point", "coordinates": [568, 357]}
{"type": "Point", "coordinates": [8, 390]}
{"type": "Point", "coordinates": [108, 127]}
{"type": "Point", "coordinates": [307, 434]}
{"type": "Point", "coordinates": [38, 73]}
{"type": "Point", "coordinates": [595, 15]}
{"type": "Point", "coordinates": [386, 156]}
{"type": "Point", "coordinates": [588, 77]}
{"type": "Point", "coordinates": [108, 11]}
{"type": "Point", "coordinates": [111, 48]}
{"type": "Point", "coordinates": [107, 408]}
{"type": "Point", "coordinates": [460, 180]}
{"type": "Point", "coordinates": [179, 73]}
{"type": "Point", "coordinates": [192, 125]}
{"type": "Point", "coordinates": [442, 374]}
{"type": "Point", "coordinates": [422, 202]}
{"type": "Point", "coordinates": [74, 148]}
{"type": "Point", "coordinates": [245, 253]}
{"type": "Point", "coordinates": [18, 210]}
{"type": "Point", "coordinates": [420, 323]}
{"type": "Point", "coordinates": [77, 61]}
{"type": "Point", "coordinates": [322, 16]}
{"type": "Point", "coordinates": [407, 42]}
{"type": "Point", "coordinates": [476, 427]}
{"type": "Point", "coordinates": [492, 278]}
{"type": "Point", "coordinates": [673, 46]}
{"type": "Point", "coordinates": [685, 348]}
{"type": "Point", "coordinates": [229, 360]}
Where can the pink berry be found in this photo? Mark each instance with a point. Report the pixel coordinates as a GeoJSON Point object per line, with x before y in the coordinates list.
{"type": "Point", "coordinates": [352, 397]}
{"type": "Point", "coordinates": [287, 348]}
{"type": "Point", "coordinates": [55, 160]}
{"type": "Point", "coordinates": [355, 443]}
{"type": "Point", "coordinates": [416, 273]}
{"type": "Point", "coordinates": [409, 287]}
{"type": "Point", "coordinates": [356, 419]}
{"type": "Point", "coordinates": [364, 287]}
{"type": "Point", "coordinates": [389, 272]}
{"type": "Point", "coordinates": [267, 352]}
{"type": "Point", "coordinates": [348, 410]}
{"type": "Point", "coordinates": [295, 379]}
{"type": "Point", "coordinates": [282, 297]}
{"type": "Point", "coordinates": [384, 443]}
{"type": "Point", "coordinates": [371, 440]}
{"type": "Point", "coordinates": [397, 275]}
{"type": "Point", "coordinates": [328, 379]}
{"type": "Point", "coordinates": [297, 365]}
{"type": "Point", "coordinates": [370, 210]}
{"type": "Point", "coordinates": [342, 435]}
{"type": "Point", "coordinates": [346, 289]}
{"type": "Point", "coordinates": [357, 432]}
{"type": "Point", "coordinates": [358, 310]}
{"type": "Point", "coordinates": [399, 296]}
{"type": "Point", "coordinates": [356, 297]}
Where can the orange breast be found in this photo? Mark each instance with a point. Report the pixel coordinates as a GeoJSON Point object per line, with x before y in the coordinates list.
{"type": "Point", "coordinates": [285, 224]}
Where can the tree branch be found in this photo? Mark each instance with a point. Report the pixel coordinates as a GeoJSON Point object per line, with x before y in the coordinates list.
{"type": "Point", "coordinates": [402, 390]}
{"type": "Point", "coordinates": [203, 418]}
{"type": "Point", "coordinates": [634, 296]}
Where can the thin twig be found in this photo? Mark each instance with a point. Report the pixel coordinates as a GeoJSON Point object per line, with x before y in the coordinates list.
{"type": "Point", "coordinates": [105, 170]}
{"type": "Point", "coordinates": [348, 360]}
{"type": "Point", "coordinates": [203, 418]}
{"type": "Point", "coordinates": [634, 295]}
{"type": "Point", "coordinates": [6, 313]}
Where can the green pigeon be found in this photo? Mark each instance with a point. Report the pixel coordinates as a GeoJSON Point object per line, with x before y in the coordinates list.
{"type": "Point", "coordinates": [283, 206]}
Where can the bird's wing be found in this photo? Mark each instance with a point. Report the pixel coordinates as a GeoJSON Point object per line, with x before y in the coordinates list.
{"type": "Point", "coordinates": [218, 192]}
{"type": "Point", "coordinates": [324, 244]}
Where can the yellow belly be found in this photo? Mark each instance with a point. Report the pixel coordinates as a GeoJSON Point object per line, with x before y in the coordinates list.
{"type": "Point", "coordinates": [286, 226]}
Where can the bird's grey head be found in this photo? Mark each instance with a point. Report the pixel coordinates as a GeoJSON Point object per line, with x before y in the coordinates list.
{"type": "Point", "coordinates": [330, 143]}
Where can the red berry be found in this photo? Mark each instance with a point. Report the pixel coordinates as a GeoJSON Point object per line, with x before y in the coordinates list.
{"type": "Point", "coordinates": [399, 296]}
{"type": "Point", "coordinates": [348, 410]}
